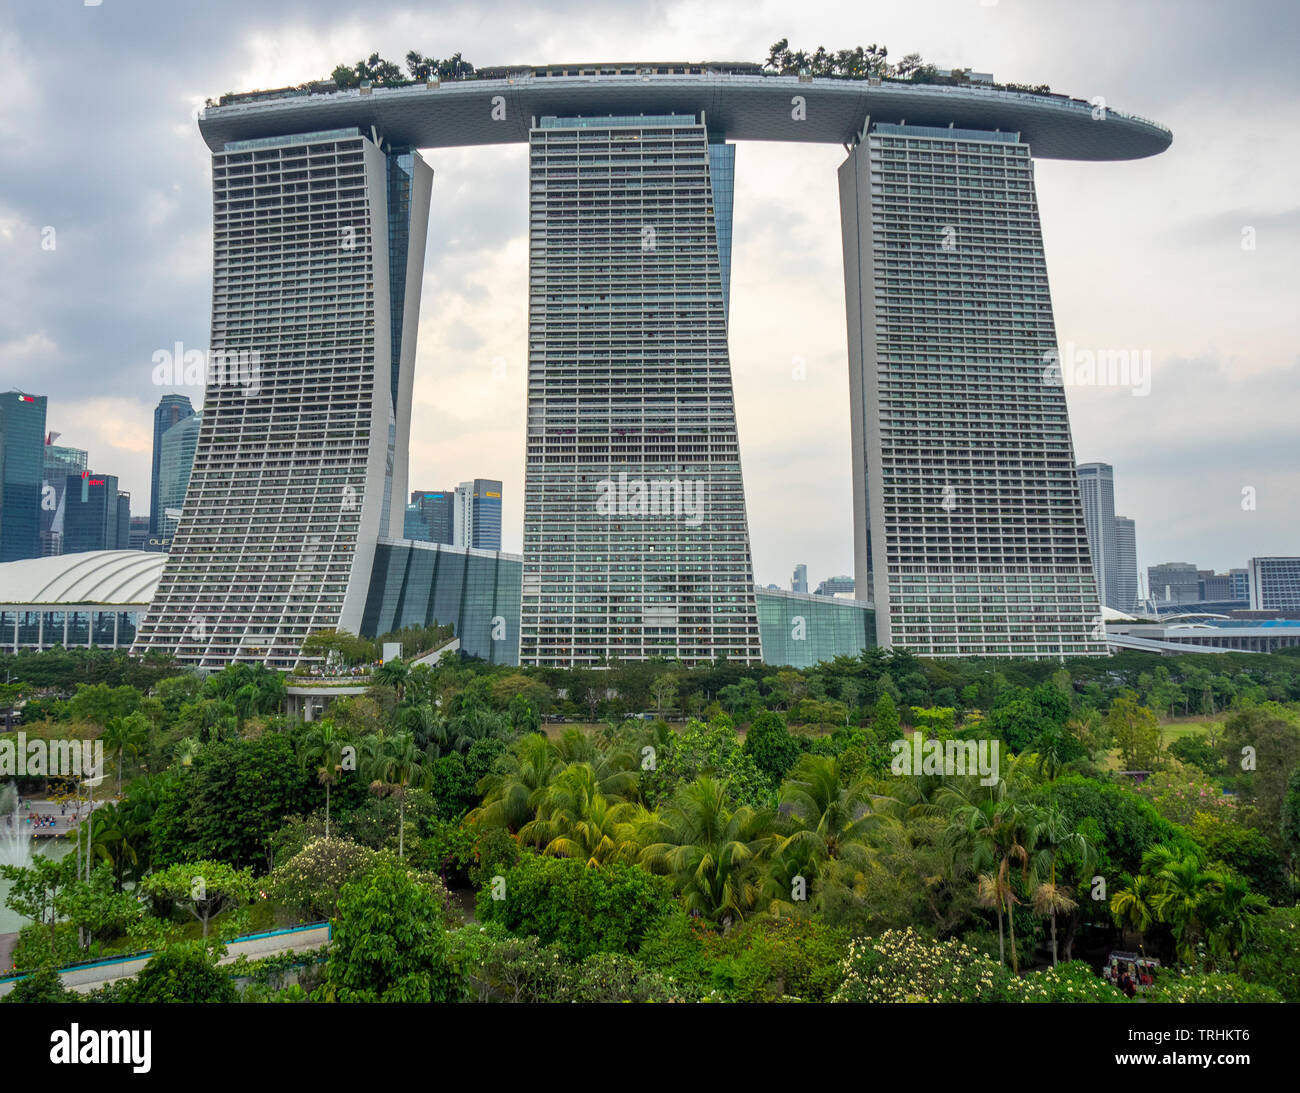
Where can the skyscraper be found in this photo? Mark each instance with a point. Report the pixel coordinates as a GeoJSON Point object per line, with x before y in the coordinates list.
{"type": "Point", "coordinates": [1097, 495]}
{"type": "Point", "coordinates": [476, 514]}
{"type": "Point", "coordinates": [175, 465]}
{"type": "Point", "coordinates": [171, 410]}
{"type": "Point", "coordinates": [437, 512]}
{"type": "Point", "coordinates": [636, 542]}
{"type": "Point", "coordinates": [799, 580]}
{"type": "Point", "coordinates": [59, 463]}
{"type": "Point", "coordinates": [1126, 565]}
{"type": "Point", "coordinates": [969, 536]}
{"type": "Point", "coordinates": [318, 252]}
{"type": "Point", "coordinates": [22, 464]}
{"type": "Point", "coordinates": [97, 514]}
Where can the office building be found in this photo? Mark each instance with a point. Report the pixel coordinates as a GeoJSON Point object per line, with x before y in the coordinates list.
{"type": "Point", "coordinates": [1274, 583]}
{"type": "Point", "coordinates": [175, 465]}
{"type": "Point", "coordinates": [1240, 584]}
{"type": "Point", "coordinates": [1174, 582]}
{"type": "Point", "coordinates": [22, 464]}
{"type": "Point", "coordinates": [476, 514]}
{"type": "Point", "coordinates": [1126, 566]}
{"type": "Point", "coordinates": [97, 515]}
{"type": "Point", "coordinates": [799, 580]}
{"type": "Point", "coordinates": [59, 463]}
{"type": "Point", "coordinates": [170, 411]}
{"type": "Point", "coordinates": [437, 518]}
{"type": "Point", "coordinates": [836, 586]}
{"type": "Point", "coordinates": [138, 535]}
{"type": "Point", "coordinates": [1097, 496]}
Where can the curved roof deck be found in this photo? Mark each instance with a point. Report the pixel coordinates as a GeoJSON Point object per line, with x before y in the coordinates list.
{"type": "Point", "coordinates": [743, 107]}
{"type": "Point", "coordinates": [109, 577]}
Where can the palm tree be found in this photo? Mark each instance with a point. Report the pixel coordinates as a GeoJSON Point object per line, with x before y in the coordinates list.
{"type": "Point", "coordinates": [1132, 906]}
{"type": "Point", "coordinates": [399, 765]}
{"type": "Point", "coordinates": [1230, 912]}
{"type": "Point", "coordinates": [708, 849]}
{"type": "Point", "coordinates": [1051, 831]}
{"type": "Point", "coordinates": [394, 673]}
{"type": "Point", "coordinates": [1182, 888]}
{"type": "Point", "coordinates": [322, 748]}
{"type": "Point", "coordinates": [125, 734]}
{"type": "Point", "coordinates": [833, 820]}
{"type": "Point", "coordinates": [999, 840]}
{"type": "Point", "coordinates": [118, 839]}
{"type": "Point", "coordinates": [575, 820]}
{"type": "Point", "coordinates": [512, 794]}
{"type": "Point", "coordinates": [989, 895]}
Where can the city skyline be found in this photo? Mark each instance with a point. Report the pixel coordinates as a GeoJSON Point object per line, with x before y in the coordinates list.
{"type": "Point", "coordinates": [786, 430]}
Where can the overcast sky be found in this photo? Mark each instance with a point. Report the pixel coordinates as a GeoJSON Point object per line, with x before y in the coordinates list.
{"type": "Point", "coordinates": [98, 141]}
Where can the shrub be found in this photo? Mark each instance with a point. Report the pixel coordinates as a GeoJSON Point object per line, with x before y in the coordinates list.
{"type": "Point", "coordinates": [182, 973]}
{"type": "Point", "coordinates": [310, 881]}
{"type": "Point", "coordinates": [904, 966]}
{"type": "Point", "coordinates": [43, 985]}
{"type": "Point", "coordinates": [1272, 957]}
{"type": "Point", "coordinates": [389, 944]}
{"type": "Point", "coordinates": [769, 743]}
{"type": "Point", "coordinates": [498, 967]}
{"type": "Point", "coordinates": [615, 977]}
{"type": "Point", "coordinates": [1072, 982]}
{"type": "Point", "coordinates": [773, 958]}
{"type": "Point", "coordinates": [1214, 987]}
{"type": "Point", "coordinates": [580, 910]}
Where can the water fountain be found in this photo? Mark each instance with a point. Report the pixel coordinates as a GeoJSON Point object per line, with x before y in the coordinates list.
{"type": "Point", "coordinates": [15, 836]}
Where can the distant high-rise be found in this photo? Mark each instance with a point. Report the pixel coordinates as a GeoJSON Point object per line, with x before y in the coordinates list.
{"type": "Point", "coordinates": [834, 585]}
{"type": "Point", "coordinates": [1126, 565]}
{"type": "Point", "coordinates": [799, 581]}
{"type": "Point", "coordinates": [437, 509]}
{"type": "Point", "coordinates": [1239, 583]}
{"type": "Point", "coordinates": [968, 532]}
{"type": "Point", "coordinates": [476, 514]}
{"type": "Point", "coordinates": [175, 464]}
{"type": "Point", "coordinates": [97, 514]}
{"type": "Point", "coordinates": [138, 536]}
{"type": "Point", "coordinates": [1274, 583]}
{"type": "Point", "coordinates": [59, 463]}
{"type": "Point", "coordinates": [1174, 582]}
{"type": "Point", "coordinates": [1097, 495]}
{"type": "Point", "coordinates": [22, 463]}
{"type": "Point", "coordinates": [171, 410]}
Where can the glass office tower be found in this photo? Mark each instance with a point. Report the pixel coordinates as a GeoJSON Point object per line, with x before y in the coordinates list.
{"type": "Point", "coordinates": [175, 465]}
{"type": "Point", "coordinates": [22, 466]}
{"type": "Point", "coordinates": [170, 411]}
{"type": "Point", "coordinates": [636, 542]}
{"type": "Point", "coordinates": [318, 251]}
{"type": "Point", "coordinates": [59, 463]}
{"type": "Point", "coordinates": [969, 537]}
